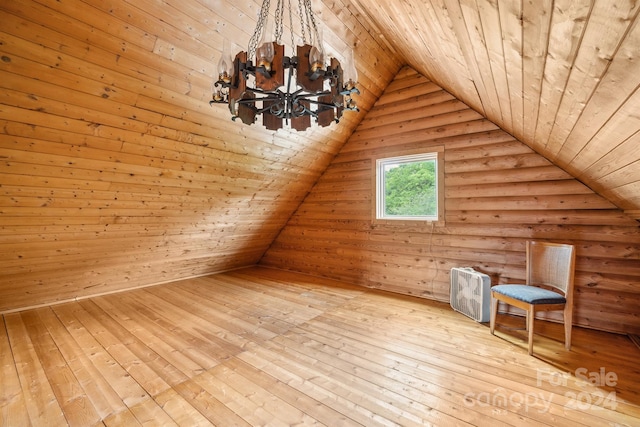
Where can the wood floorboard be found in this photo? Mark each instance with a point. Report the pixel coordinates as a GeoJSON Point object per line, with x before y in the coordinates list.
{"type": "Point", "coordinates": [266, 347]}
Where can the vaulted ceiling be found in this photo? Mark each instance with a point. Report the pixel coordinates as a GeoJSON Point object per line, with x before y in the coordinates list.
{"type": "Point", "coordinates": [561, 76]}
{"type": "Point", "coordinates": [116, 172]}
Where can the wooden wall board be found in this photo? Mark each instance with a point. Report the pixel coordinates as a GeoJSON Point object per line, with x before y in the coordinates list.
{"type": "Point", "coordinates": [499, 194]}
{"type": "Point", "coordinates": [116, 173]}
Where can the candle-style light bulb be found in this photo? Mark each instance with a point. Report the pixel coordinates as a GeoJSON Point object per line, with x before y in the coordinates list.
{"type": "Point", "coordinates": [218, 96]}
{"type": "Point", "coordinates": [350, 103]}
{"type": "Point", "coordinates": [265, 51]}
{"type": "Point", "coordinates": [316, 55]}
{"type": "Point", "coordinates": [225, 64]}
{"type": "Point", "coordinates": [350, 71]}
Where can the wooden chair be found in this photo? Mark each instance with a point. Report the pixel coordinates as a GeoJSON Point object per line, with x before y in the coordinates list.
{"type": "Point", "coordinates": [549, 266]}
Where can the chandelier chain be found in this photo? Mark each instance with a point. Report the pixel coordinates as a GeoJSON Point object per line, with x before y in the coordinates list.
{"type": "Point", "coordinates": [278, 21]}
{"type": "Point", "coordinates": [293, 42]}
{"type": "Point", "coordinates": [302, 26]}
{"type": "Point", "coordinates": [307, 24]}
{"type": "Point", "coordinates": [311, 17]}
{"type": "Point", "coordinates": [262, 19]}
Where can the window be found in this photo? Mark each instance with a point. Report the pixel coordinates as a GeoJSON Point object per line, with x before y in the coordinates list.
{"type": "Point", "coordinates": [407, 187]}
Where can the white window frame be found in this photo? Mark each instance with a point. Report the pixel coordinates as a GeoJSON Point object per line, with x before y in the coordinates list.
{"type": "Point", "coordinates": [380, 165]}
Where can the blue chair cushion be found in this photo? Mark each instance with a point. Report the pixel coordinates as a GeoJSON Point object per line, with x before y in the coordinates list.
{"type": "Point", "coordinates": [530, 294]}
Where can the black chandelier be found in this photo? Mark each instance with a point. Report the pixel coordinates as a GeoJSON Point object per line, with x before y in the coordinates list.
{"type": "Point", "coordinates": [289, 89]}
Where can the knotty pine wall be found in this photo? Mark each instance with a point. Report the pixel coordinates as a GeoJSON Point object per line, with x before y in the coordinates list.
{"type": "Point", "coordinates": [498, 194]}
{"type": "Point", "coordinates": [116, 173]}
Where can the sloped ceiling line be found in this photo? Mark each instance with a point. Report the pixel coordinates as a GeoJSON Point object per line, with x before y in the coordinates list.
{"type": "Point", "coordinates": [561, 76]}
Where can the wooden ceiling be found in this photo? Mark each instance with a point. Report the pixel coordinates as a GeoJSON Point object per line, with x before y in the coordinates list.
{"type": "Point", "coordinates": [561, 76]}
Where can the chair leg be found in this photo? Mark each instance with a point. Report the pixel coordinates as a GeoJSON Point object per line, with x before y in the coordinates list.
{"type": "Point", "coordinates": [531, 315]}
{"type": "Point", "coordinates": [568, 320]}
{"type": "Point", "coordinates": [493, 314]}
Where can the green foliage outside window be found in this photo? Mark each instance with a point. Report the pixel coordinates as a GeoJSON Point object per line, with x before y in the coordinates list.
{"type": "Point", "coordinates": [410, 189]}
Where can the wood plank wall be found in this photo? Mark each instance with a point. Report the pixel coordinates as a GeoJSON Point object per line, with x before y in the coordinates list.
{"type": "Point", "coordinates": [499, 193]}
{"type": "Point", "coordinates": [114, 170]}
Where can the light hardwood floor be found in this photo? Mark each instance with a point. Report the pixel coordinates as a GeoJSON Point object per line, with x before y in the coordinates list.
{"type": "Point", "coordinates": [266, 347]}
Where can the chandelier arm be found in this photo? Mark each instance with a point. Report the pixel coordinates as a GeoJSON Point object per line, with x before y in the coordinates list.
{"type": "Point", "coordinates": [309, 95]}
{"type": "Point", "coordinates": [294, 96]}
{"type": "Point", "coordinates": [248, 102]}
{"type": "Point", "coordinates": [252, 101]}
{"type": "Point", "coordinates": [320, 103]}
{"type": "Point", "coordinates": [271, 95]}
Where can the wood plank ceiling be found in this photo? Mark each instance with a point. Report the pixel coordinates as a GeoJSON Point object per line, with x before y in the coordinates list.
{"type": "Point", "coordinates": [561, 76]}
{"type": "Point", "coordinates": [116, 172]}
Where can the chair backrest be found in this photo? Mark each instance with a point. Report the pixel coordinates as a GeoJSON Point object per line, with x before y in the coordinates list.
{"type": "Point", "coordinates": [551, 264]}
